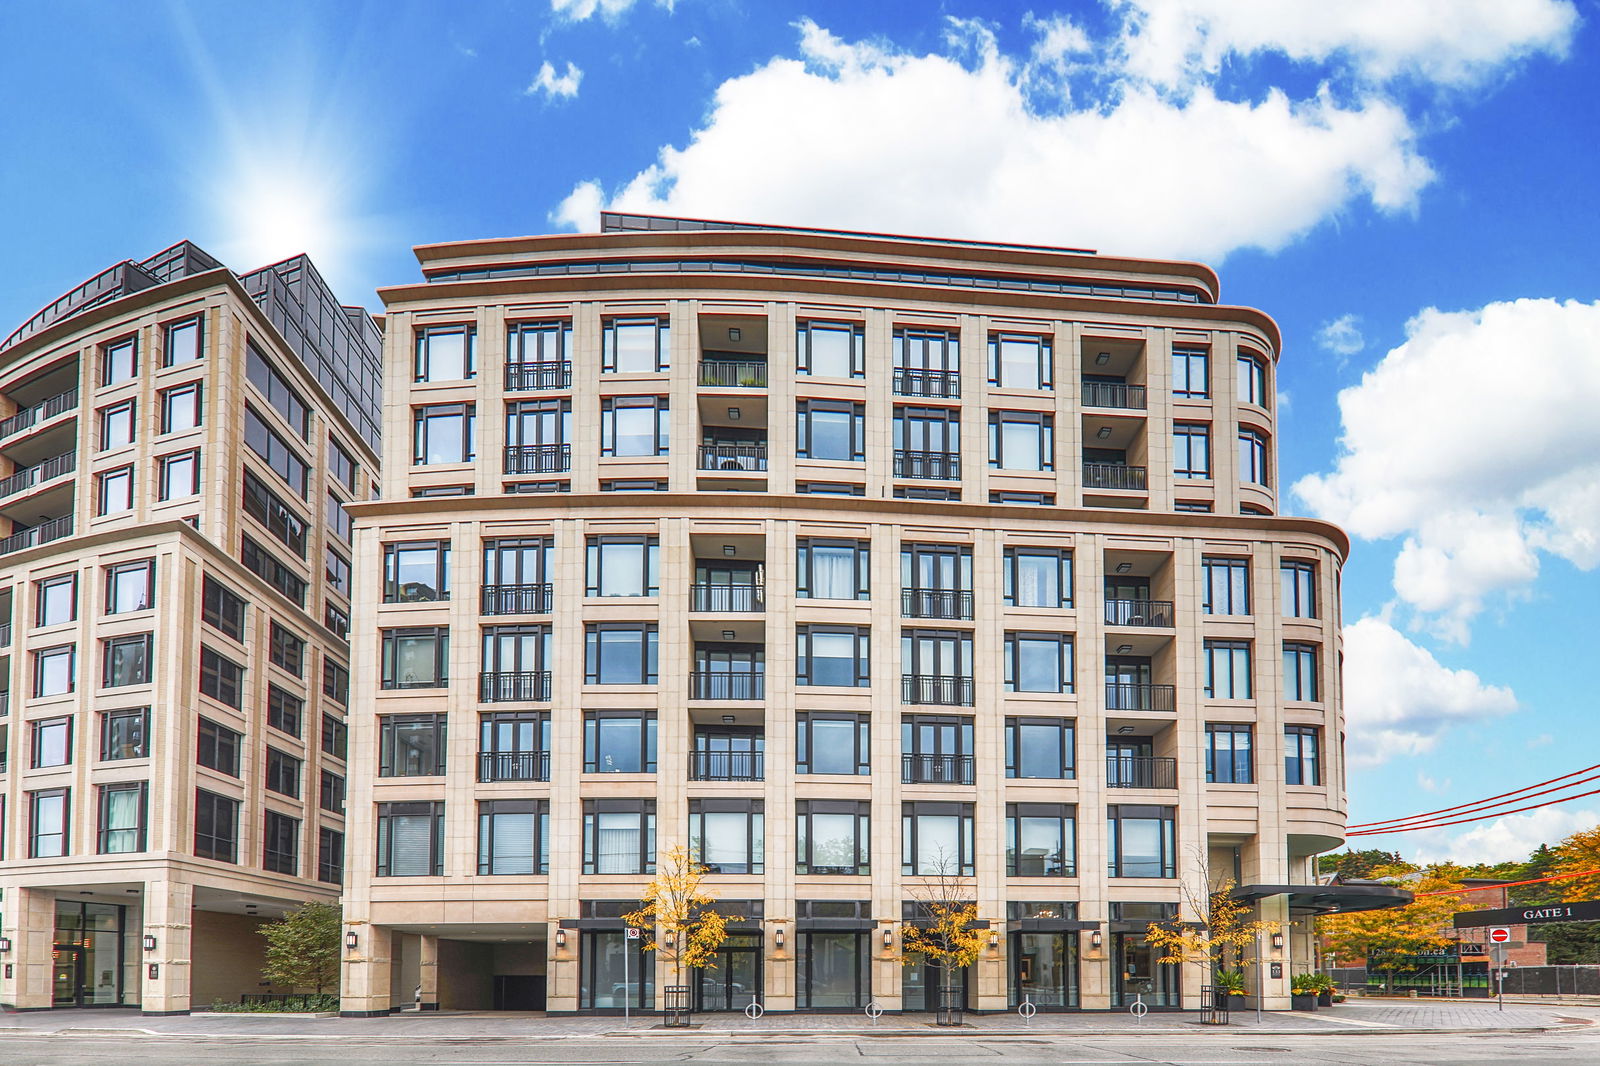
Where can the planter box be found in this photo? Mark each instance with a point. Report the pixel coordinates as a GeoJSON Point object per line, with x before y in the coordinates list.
{"type": "Point", "coordinates": [1306, 1002]}
{"type": "Point", "coordinates": [1325, 998]}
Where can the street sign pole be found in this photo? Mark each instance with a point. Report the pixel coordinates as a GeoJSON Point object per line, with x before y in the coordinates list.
{"type": "Point", "coordinates": [627, 979]}
{"type": "Point", "coordinates": [1500, 977]}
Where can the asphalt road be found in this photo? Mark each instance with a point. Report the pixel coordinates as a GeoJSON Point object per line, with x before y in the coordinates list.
{"type": "Point", "coordinates": [1153, 1050]}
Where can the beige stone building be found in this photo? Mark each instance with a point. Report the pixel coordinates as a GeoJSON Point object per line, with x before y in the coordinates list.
{"type": "Point", "coordinates": [845, 561]}
{"type": "Point", "coordinates": [177, 445]}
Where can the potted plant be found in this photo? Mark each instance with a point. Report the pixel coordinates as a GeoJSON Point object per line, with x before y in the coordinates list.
{"type": "Point", "coordinates": [1230, 981]}
{"type": "Point", "coordinates": [1324, 990]}
{"type": "Point", "coordinates": [1303, 991]}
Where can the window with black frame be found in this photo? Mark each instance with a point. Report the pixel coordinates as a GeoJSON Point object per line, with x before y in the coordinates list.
{"type": "Point", "coordinates": [445, 353]}
{"type": "Point", "coordinates": [936, 839]}
{"type": "Point", "coordinates": [1042, 748]}
{"type": "Point", "coordinates": [1228, 675]}
{"type": "Point", "coordinates": [1020, 361]}
{"type": "Point", "coordinates": [285, 710]}
{"type": "Point", "coordinates": [728, 836]}
{"type": "Point", "coordinates": [1302, 755]}
{"type": "Point", "coordinates": [627, 565]}
{"type": "Point", "coordinates": [927, 442]}
{"type": "Point", "coordinates": [1021, 440]}
{"type": "Point", "coordinates": [832, 569]}
{"type": "Point", "coordinates": [927, 362]}
{"type": "Point", "coordinates": [1041, 840]}
{"type": "Point", "coordinates": [514, 746]}
{"type": "Point", "coordinates": [833, 837]}
{"type": "Point", "coordinates": [283, 773]}
{"type": "Point", "coordinates": [286, 649]}
{"type": "Point", "coordinates": [125, 734]}
{"type": "Point", "coordinates": [1225, 585]}
{"type": "Point", "coordinates": [330, 856]}
{"type": "Point", "coordinates": [416, 657]}
{"type": "Point", "coordinates": [1229, 753]}
{"type": "Point", "coordinates": [130, 586]}
{"type": "Point", "coordinates": [221, 608]}
{"type": "Point", "coordinates": [126, 660]}
{"type": "Point", "coordinates": [619, 836]}
{"type": "Point", "coordinates": [218, 747]}
{"type": "Point", "coordinates": [221, 678]}
{"type": "Point", "coordinates": [411, 839]}
{"type": "Point", "coordinates": [830, 429]}
{"type": "Point", "coordinates": [936, 666]}
{"type": "Point", "coordinates": [830, 349]}
{"type": "Point", "coordinates": [122, 817]}
{"type": "Point", "coordinates": [936, 749]}
{"type": "Point", "coordinates": [1299, 588]}
{"type": "Point", "coordinates": [935, 581]}
{"type": "Point", "coordinates": [1141, 841]}
{"type": "Point", "coordinates": [1191, 451]}
{"type": "Point", "coordinates": [836, 656]}
{"type": "Point", "coordinates": [1038, 577]}
{"type": "Point", "coordinates": [635, 425]}
{"type": "Point", "coordinates": [833, 742]}
{"type": "Point", "coordinates": [416, 571]}
{"type": "Point", "coordinates": [1300, 673]}
{"type": "Point", "coordinates": [411, 745]}
{"type": "Point", "coordinates": [619, 742]}
{"type": "Point", "coordinates": [1191, 373]}
{"type": "Point", "coordinates": [620, 653]}
{"type": "Point", "coordinates": [1038, 662]}
{"type": "Point", "coordinates": [636, 345]}
{"type": "Point", "coordinates": [216, 826]}
{"type": "Point", "coordinates": [280, 850]}
{"type": "Point", "coordinates": [513, 837]}
{"type": "Point", "coordinates": [516, 663]}
{"type": "Point", "coordinates": [444, 433]}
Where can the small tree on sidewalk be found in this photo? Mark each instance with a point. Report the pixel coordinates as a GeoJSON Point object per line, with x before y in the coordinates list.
{"type": "Point", "coordinates": [303, 948]}
{"type": "Point", "coordinates": [943, 934]}
{"type": "Point", "coordinates": [678, 907]}
{"type": "Point", "coordinates": [1220, 936]}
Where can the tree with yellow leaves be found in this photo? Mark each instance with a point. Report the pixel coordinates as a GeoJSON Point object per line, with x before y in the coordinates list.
{"type": "Point", "coordinates": [943, 935]}
{"type": "Point", "coordinates": [677, 916]}
{"type": "Point", "coordinates": [1579, 854]}
{"type": "Point", "coordinates": [1385, 937]}
{"type": "Point", "coordinates": [1222, 936]}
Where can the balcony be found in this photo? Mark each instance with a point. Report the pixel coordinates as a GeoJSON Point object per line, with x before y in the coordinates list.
{"type": "Point", "coordinates": [733, 457]}
{"type": "Point", "coordinates": [1115, 476]}
{"type": "Point", "coordinates": [936, 769]}
{"type": "Point", "coordinates": [1137, 696]}
{"type": "Point", "coordinates": [1148, 613]}
{"type": "Point", "coordinates": [43, 533]}
{"type": "Point", "coordinates": [538, 458]}
{"type": "Point", "coordinates": [538, 377]}
{"type": "Point", "coordinates": [5, 704]}
{"type": "Point", "coordinates": [936, 689]}
{"type": "Point", "coordinates": [936, 603]}
{"type": "Point", "coordinates": [510, 686]}
{"type": "Point", "coordinates": [517, 599]}
{"type": "Point", "coordinates": [42, 411]}
{"type": "Point", "coordinates": [5, 634]}
{"type": "Point", "coordinates": [1141, 771]}
{"type": "Point", "coordinates": [937, 384]}
{"type": "Point", "coordinates": [727, 765]}
{"type": "Point", "coordinates": [727, 599]}
{"type": "Point", "coordinates": [1120, 397]}
{"type": "Point", "coordinates": [927, 466]}
{"type": "Point", "coordinates": [727, 684]}
{"type": "Point", "coordinates": [513, 766]}
{"type": "Point", "coordinates": [733, 373]}
{"type": "Point", "coordinates": [53, 467]}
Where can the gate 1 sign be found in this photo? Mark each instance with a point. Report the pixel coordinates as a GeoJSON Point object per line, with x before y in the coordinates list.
{"type": "Point", "coordinates": [1585, 911]}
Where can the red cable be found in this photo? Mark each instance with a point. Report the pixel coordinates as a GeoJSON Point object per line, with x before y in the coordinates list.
{"type": "Point", "coordinates": [1477, 803]}
{"type": "Point", "coordinates": [1480, 818]}
{"type": "Point", "coordinates": [1400, 825]}
{"type": "Point", "coordinates": [1507, 884]}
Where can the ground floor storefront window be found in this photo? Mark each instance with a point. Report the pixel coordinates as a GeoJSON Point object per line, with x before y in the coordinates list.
{"type": "Point", "coordinates": [1044, 969]}
{"type": "Point", "coordinates": [1137, 974]}
{"type": "Point", "coordinates": [735, 983]}
{"type": "Point", "coordinates": [831, 970]}
{"type": "Point", "coordinates": [605, 981]}
{"type": "Point", "coordinates": [920, 982]}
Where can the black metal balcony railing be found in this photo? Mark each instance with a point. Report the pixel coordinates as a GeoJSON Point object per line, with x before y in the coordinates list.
{"type": "Point", "coordinates": [727, 765]}
{"type": "Point", "coordinates": [1139, 613]}
{"type": "Point", "coordinates": [513, 766]}
{"type": "Point", "coordinates": [5, 704]}
{"type": "Point", "coordinates": [5, 634]}
{"type": "Point", "coordinates": [52, 467]}
{"type": "Point", "coordinates": [936, 603]}
{"type": "Point", "coordinates": [939, 384]}
{"type": "Point", "coordinates": [538, 458]}
{"type": "Point", "coordinates": [727, 685]}
{"type": "Point", "coordinates": [936, 769]}
{"type": "Point", "coordinates": [936, 689]}
{"type": "Point", "coordinates": [538, 377]}
{"type": "Point", "coordinates": [504, 686]}
{"type": "Point", "coordinates": [733, 373]}
{"type": "Point", "coordinates": [43, 533]}
{"type": "Point", "coordinates": [728, 599]}
{"type": "Point", "coordinates": [733, 457]}
{"type": "Point", "coordinates": [1141, 771]}
{"type": "Point", "coordinates": [1136, 696]}
{"type": "Point", "coordinates": [518, 599]}
{"type": "Point", "coordinates": [927, 466]}
{"type": "Point", "coordinates": [1118, 476]}
{"type": "Point", "coordinates": [42, 411]}
{"type": "Point", "coordinates": [1106, 394]}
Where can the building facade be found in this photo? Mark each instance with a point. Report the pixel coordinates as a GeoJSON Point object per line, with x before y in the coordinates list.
{"type": "Point", "coordinates": [174, 586]}
{"type": "Point", "coordinates": [853, 564]}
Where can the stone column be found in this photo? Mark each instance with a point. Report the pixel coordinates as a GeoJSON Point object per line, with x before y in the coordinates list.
{"type": "Point", "coordinates": [30, 924]}
{"type": "Point", "coordinates": [367, 976]}
{"type": "Point", "coordinates": [167, 972]}
{"type": "Point", "coordinates": [428, 971]}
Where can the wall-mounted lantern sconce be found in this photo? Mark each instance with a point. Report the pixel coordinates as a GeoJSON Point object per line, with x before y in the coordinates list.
{"type": "Point", "coordinates": [561, 938]}
{"type": "Point", "coordinates": [149, 942]}
{"type": "Point", "coordinates": [1277, 941]}
{"type": "Point", "coordinates": [5, 945]}
{"type": "Point", "coordinates": [1094, 940]}
{"type": "Point", "coordinates": [350, 940]}
{"type": "Point", "coordinates": [777, 939]}
{"type": "Point", "coordinates": [994, 939]}
{"type": "Point", "coordinates": [888, 937]}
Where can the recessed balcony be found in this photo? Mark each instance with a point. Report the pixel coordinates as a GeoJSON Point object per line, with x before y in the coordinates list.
{"type": "Point", "coordinates": [42, 411]}
{"type": "Point", "coordinates": [1120, 397]}
{"type": "Point", "coordinates": [734, 457]}
{"type": "Point", "coordinates": [48, 470]}
{"type": "Point", "coordinates": [1118, 477]}
{"type": "Point", "coordinates": [733, 373]}
{"type": "Point", "coordinates": [714, 598]}
{"type": "Point", "coordinates": [1140, 696]}
{"type": "Point", "coordinates": [1141, 771]}
{"type": "Point", "coordinates": [727, 684]}
{"type": "Point", "coordinates": [1148, 613]}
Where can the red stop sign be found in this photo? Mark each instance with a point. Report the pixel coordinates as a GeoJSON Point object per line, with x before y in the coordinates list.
{"type": "Point", "coordinates": [1499, 934]}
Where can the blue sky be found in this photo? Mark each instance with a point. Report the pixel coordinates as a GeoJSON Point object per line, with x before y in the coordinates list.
{"type": "Point", "coordinates": [1406, 185]}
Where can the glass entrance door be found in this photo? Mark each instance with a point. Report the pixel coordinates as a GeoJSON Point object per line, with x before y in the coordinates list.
{"type": "Point", "coordinates": [735, 983]}
{"type": "Point", "coordinates": [68, 976]}
{"type": "Point", "coordinates": [1044, 968]}
{"type": "Point", "coordinates": [88, 955]}
{"type": "Point", "coordinates": [1138, 974]}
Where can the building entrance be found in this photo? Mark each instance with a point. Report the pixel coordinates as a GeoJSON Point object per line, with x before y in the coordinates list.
{"type": "Point", "coordinates": [88, 955]}
{"type": "Point", "coordinates": [736, 981]}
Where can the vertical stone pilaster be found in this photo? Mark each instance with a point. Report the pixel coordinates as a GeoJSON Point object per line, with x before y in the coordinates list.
{"type": "Point", "coordinates": [166, 974]}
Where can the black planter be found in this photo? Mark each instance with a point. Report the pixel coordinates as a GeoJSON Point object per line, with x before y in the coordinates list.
{"type": "Point", "coordinates": [1325, 998]}
{"type": "Point", "coordinates": [1303, 1002]}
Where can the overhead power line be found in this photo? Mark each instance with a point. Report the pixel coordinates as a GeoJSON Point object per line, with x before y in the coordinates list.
{"type": "Point", "coordinates": [1475, 818]}
{"type": "Point", "coordinates": [1507, 884]}
{"type": "Point", "coordinates": [1515, 795]}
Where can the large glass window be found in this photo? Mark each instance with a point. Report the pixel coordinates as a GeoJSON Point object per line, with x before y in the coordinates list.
{"type": "Point", "coordinates": [1191, 375]}
{"type": "Point", "coordinates": [927, 442]}
{"type": "Point", "coordinates": [1228, 670]}
{"type": "Point", "coordinates": [636, 345]}
{"type": "Point", "coordinates": [116, 491]}
{"type": "Point", "coordinates": [1300, 673]}
{"type": "Point", "coordinates": [330, 856]}
{"type": "Point", "coordinates": [125, 734]}
{"type": "Point", "coordinates": [833, 837]}
{"type": "Point", "coordinates": [831, 970]}
{"type": "Point", "coordinates": [55, 670]}
{"type": "Point", "coordinates": [56, 600]}
{"type": "Point", "coordinates": [1302, 763]}
{"type": "Point", "coordinates": [119, 361]}
{"type": "Point", "coordinates": [936, 748]}
{"type": "Point", "coordinates": [411, 745]}
{"type": "Point", "coordinates": [220, 608]}
{"type": "Point", "coordinates": [285, 649]}
{"type": "Point", "coordinates": [283, 398]}
{"type": "Point", "coordinates": [1225, 585]}
{"type": "Point", "coordinates": [830, 429]}
{"type": "Point", "coordinates": [274, 572]}
{"type": "Point", "coordinates": [411, 839]}
{"type": "Point", "coordinates": [342, 466]}
{"type": "Point", "coordinates": [216, 826]}
{"type": "Point", "coordinates": [280, 845]}
{"type": "Point", "coordinates": [624, 566]}
{"type": "Point", "coordinates": [936, 666]}
{"type": "Point", "coordinates": [179, 475]}
{"type": "Point", "coordinates": [634, 425]}
{"type": "Point", "coordinates": [283, 773]}
{"type": "Point", "coordinates": [614, 969]}
{"type": "Point", "coordinates": [728, 836]}
{"type": "Point", "coordinates": [417, 657]}
{"type": "Point", "coordinates": [1252, 457]}
{"type": "Point", "coordinates": [444, 433]}
{"type": "Point", "coordinates": [1019, 361]}
{"type": "Point", "coordinates": [330, 792]}
{"type": "Point", "coordinates": [513, 837]}
{"type": "Point", "coordinates": [619, 836]}
{"type": "Point", "coordinates": [1040, 748]}
{"type": "Point", "coordinates": [285, 711]}
{"type": "Point", "coordinates": [1038, 662]}
{"type": "Point", "coordinates": [117, 425]}
{"type": "Point", "coordinates": [446, 353]}
{"type": "Point", "coordinates": [1229, 753]}
{"type": "Point", "coordinates": [936, 839]}
{"type": "Point", "coordinates": [180, 407]}
{"type": "Point", "coordinates": [416, 572]}
{"type": "Point", "coordinates": [276, 452]}
{"type": "Point", "coordinates": [1021, 440]}
{"type": "Point", "coordinates": [122, 818]}
{"type": "Point", "coordinates": [335, 736]}
{"type": "Point", "coordinates": [620, 653]}
{"type": "Point", "coordinates": [126, 660]}
{"type": "Point", "coordinates": [833, 656]}
{"type": "Point", "coordinates": [52, 742]}
{"type": "Point", "coordinates": [832, 743]}
{"type": "Point", "coordinates": [218, 748]}
{"type": "Point", "coordinates": [1191, 450]}
{"type": "Point", "coordinates": [1142, 841]}
{"type": "Point", "coordinates": [1299, 581]}
{"type": "Point", "coordinates": [276, 516]}
{"type": "Point", "coordinates": [619, 742]}
{"type": "Point", "coordinates": [832, 569]}
{"type": "Point", "coordinates": [1252, 380]}
{"type": "Point", "coordinates": [1041, 840]}
{"type": "Point", "coordinates": [1038, 577]}
{"type": "Point", "coordinates": [48, 823]}
{"type": "Point", "coordinates": [130, 586]}
{"type": "Point", "coordinates": [830, 349]}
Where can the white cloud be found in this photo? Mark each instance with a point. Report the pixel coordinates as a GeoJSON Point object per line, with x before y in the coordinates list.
{"type": "Point", "coordinates": [1476, 440]}
{"type": "Point", "coordinates": [1540, 741]}
{"type": "Point", "coordinates": [1060, 39]}
{"type": "Point", "coordinates": [578, 10]}
{"type": "Point", "coordinates": [1500, 840]}
{"type": "Point", "coordinates": [1399, 699]}
{"type": "Point", "coordinates": [563, 86]}
{"type": "Point", "coordinates": [1451, 42]}
{"type": "Point", "coordinates": [1342, 336]}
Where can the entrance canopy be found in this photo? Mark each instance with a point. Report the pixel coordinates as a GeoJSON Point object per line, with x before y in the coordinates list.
{"type": "Point", "coordinates": [1328, 899]}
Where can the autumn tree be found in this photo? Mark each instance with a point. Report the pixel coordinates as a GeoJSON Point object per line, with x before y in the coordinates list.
{"type": "Point", "coordinates": [1384, 936]}
{"type": "Point", "coordinates": [303, 948]}
{"type": "Point", "coordinates": [1579, 854]}
{"type": "Point", "coordinates": [1359, 863]}
{"type": "Point", "coordinates": [943, 934]}
{"type": "Point", "coordinates": [1223, 934]}
{"type": "Point", "coordinates": [677, 916]}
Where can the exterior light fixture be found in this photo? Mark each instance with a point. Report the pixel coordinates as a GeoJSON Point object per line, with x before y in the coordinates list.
{"type": "Point", "coordinates": [1124, 730]}
{"type": "Point", "coordinates": [1277, 941]}
{"type": "Point", "coordinates": [561, 938]}
{"type": "Point", "coordinates": [1094, 940]}
{"type": "Point", "coordinates": [1104, 432]}
{"type": "Point", "coordinates": [1124, 649]}
{"type": "Point", "coordinates": [733, 333]}
{"type": "Point", "coordinates": [727, 634]}
{"type": "Point", "coordinates": [994, 939]}
{"type": "Point", "coordinates": [777, 938]}
{"type": "Point", "coordinates": [149, 942]}
{"type": "Point", "coordinates": [1123, 568]}
{"type": "Point", "coordinates": [727, 719]}
{"type": "Point", "coordinates": [351, 940]}
{"type": "Point", "coordinates": [5, 945]}
{"type": "Point", "coordinates": [729, 549]}
{"type": "Point", "coordinates": [888, 937]}
{"type": "Point", "coordinates": [733, 414]}
{"type": "Point", "coordinates": [1102, 359]}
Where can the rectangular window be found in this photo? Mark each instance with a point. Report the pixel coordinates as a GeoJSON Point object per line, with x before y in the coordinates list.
{"type": "Point", "coordinates": [833, 837]}
{"type": "Point", "coordinates": [1038, 577]}
{"type": "Point", "coordinates": [48, 823]}
{"type": "Point", "coordinates": [416, 572]}
{"type": "Point", "coordinates": [341, 466]}
{"type": "Point", "coordinates": [411, 839]}
{"type": "Point", "coordinates": [130, 586]}
{"type": "Point", "coordinates": [416, 658]}
{"type": "Point", "coordinates": [55, 670]}
{"type": "Point", "coordinates": [927, 362]}
{"type": "Point", "coordinates": [1228, 670]}
{"type": "Point", "coordinates": [444, 433]}
{"type": "Point", "coordinates": [180, 407]}
{"type": "Point", "coordinates": [286, 650]}
{"type": "Point", "coordinates": [1302, 755]}
{"type": "Point", "coordinates": [1142, 841]}
{"type": "Point", "coordinates": [936, 749]}
{"type": "Point", "coordinates": [1038, 662]}
{"type": "Point", "coordinates": [180, 475]}
{"type": "Point", "coordinates": [1252, 380]}
{"type": "Point", "coordinates": [216, 826]}
{"type": "Point", "coordinates": [927, 442]}
{"type": "Point", "coordinates": [1020, 361]}
{"type": "Point", "coordinates": [276, 452]}
{"type": "Point", "coordinates": [830, 349]}
{"type": "Point", "coordinates": [614, 970]}
{"type": "Point", "coordinates": [116, 491]}
{"type": "Point", "coordinates": [828, 742]}
{"type": "Point", "coordinates": [728, 836]}
{"type": "Point", "coordinates": [1041, 840]}
{"type": "Point", "coordinates": [283, 398]}
{"type": "Point", "coordinates": [835, 656]}
{"type": "Point", "coordinates": [1191, 373]}
{"type": "Point", "coordinates": [1191, 450]}
{"type": "Point", "coordinates": [537, 355]}
{"type": "Point", "coordinates": [335, 681]}
{"type": "Point", "coordinates": [831, 569]}
{"type": "Point", "coordinates": [936, 666]}
{"type": "Point", "coordinates": [619, 742]}
{"type": "Point", "coordinates": [831, 429]}
{"type": "Point", "coordinates": [542, 428]}
{"type": "Point", "coordinates": [1229, 757]}
{"type": "Point", "coordinates": [634, 425]}
{"type": "Point", "coordinates": [1252, 457]}
{"type": "Point", "coordinates": [221, 679]}
{"type": "Point", "coordinates": [119, 361]}
{"type": "Point", "coordinates": [623, 566]}
{"type": "Point", "coordinates": [122, 818]}
{"type": "Point", "coordinates": [1021, 440]}
{"type": "Point", "coordinates": [335, 736]}
{"type": "Point", "coordinates": [117, 425]}
{"type": "Point", "coordinates": [330, 856]}
{"type": "Point", "coordinates": [336, 571]}
{"type": "Point", "coordinates": [635, 345]}
{"type": "Point", "coordinates": [221, 609]}
{"type": "Point", "coordinates": [620, 653]}
{"type": "Point", "coordinates": [936, 839]}
{"type": "Point", "coordinates": [278, 518]}
{"type": "Point", "coordinates": [330, 792]}
{"type": "Point", "coordinates": [1300, 673]}
{"type": "Point", "coordinates": [280, 851]}
{"type": "Point", "coordinates": [52, 742]}
{"type": "Point", "coordinates": [1226, 586]}
{"type": "Point", "coordinates": [125, 734]}
{"type": "Point", "coordinates": [285, 711]}
{"type": "Point", "coordinates": [514, 837]}
{"type": "Point", "coordinates": [283, 773]}
{"type": "Point", "coordinates": [126, 660]}
{"type": "Point", "coordinates": [411, 745]}
{"type": "Point", "coordinates": [56, 600]}
{"type": "Point", "coordinates": [1299, 581]}
{"type": "Point", "coordinates": [1041, 748]}
{"type": "Point", "coordinates": [338, 518]}
{"type": "Point", "coordinates": [273, 571]}
{"type": "Point", "coordinates": [619, 836]}
{"type": "Point", "coordinates": [218, 748]}
{"type": "Point", "coordinates": [446, 353]}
